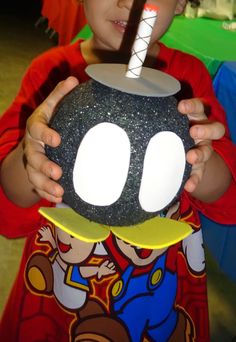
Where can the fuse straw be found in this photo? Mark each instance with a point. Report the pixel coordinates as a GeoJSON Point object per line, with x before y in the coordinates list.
{"type": "Point", "coordinates": [142, 39]}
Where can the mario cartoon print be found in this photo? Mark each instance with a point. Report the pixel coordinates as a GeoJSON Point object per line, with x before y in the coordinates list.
{"type": "Point", "coordinates": [144, 297]}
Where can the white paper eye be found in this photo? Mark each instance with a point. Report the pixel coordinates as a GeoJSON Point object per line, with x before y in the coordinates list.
{"type": "Point", "coordinates": [102, 164]}
{"type": "Point", "coordinates": [163, 170]}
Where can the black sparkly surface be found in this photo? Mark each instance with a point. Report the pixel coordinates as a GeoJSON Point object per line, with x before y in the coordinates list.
{"type": "Point", "coordinates": [141, 117]}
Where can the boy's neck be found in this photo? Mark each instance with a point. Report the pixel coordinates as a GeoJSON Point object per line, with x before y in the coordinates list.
{"type": "Point", "coordinates": [88, 52]}
{"type": "Point", "coordinates": [92, 55]}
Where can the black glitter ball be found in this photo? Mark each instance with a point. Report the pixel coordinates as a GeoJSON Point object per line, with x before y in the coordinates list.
{"type": "Point", "coordinates": [141, 117]}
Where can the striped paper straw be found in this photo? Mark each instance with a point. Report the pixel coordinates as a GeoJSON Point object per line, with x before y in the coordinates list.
{"type": "Point", "coordinates": [142, 39]}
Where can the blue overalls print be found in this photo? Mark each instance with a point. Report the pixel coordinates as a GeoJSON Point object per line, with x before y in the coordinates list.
{"type": "Point", "coordinates": [145, 303]}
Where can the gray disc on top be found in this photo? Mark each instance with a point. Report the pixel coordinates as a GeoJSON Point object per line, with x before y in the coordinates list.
{"type": "Point", "coordinates": [151, 82]}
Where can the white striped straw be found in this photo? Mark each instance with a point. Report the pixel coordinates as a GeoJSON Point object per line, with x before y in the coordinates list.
{"type": "Point", "coordinates": [143, 36]}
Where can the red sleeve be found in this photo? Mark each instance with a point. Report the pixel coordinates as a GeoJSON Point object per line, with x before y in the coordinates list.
{"type": "Point", "coordinates": [16, 221]}
{"type": "Point", "coordinates": [44, 73]}
{"type": "Point", "coordinates": [39, 80]}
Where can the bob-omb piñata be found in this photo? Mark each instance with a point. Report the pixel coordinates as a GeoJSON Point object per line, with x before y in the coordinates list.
{"type": "Point", "coordinates": [122, 152]}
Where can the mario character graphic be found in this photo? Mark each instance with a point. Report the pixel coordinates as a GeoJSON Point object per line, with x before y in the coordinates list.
{"type": "Point", "coordinates": [147, 283]}
{"type": "Point", "coordinates": [144, 295]}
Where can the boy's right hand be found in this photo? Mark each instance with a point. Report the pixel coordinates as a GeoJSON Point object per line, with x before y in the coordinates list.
{"type": "Point", "coordinates": [42, 172]}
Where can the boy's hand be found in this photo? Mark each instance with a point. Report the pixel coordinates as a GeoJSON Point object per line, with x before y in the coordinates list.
{"type": "Point", "coordinates": [42, 172]}
{"type": "Point", "coordinates": [203, 132]}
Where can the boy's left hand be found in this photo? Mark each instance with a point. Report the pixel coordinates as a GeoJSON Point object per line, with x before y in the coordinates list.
{"type": "Point", "coordinates": [203, 131]}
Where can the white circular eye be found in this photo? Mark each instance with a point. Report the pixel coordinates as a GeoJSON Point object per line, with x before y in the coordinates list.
{"type": "Point", "coordinates": [102, 164]}
{"type": "Point", "coordinates": [163, 170]}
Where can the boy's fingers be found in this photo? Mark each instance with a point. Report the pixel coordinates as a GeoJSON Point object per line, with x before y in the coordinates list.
{"type": "Point", "coordinates": [38, 161]}
{"type": "Point", "coordinates": [191, 183]}
{"type": "Point", "coordinates": [195, 177]}
{"type": "Point", "coordinates": [44, 186]}
{"type": "Point", "coordinates": [43, 134]}
{"type": "Point", "coordinates": [207, 131]}
{"type": "Point", "coordinates": [194, 108]}
{"type": "Point", "coordinates": [49, 197]}
{"type": "Point", "coordinates": [37, 124]}
{"type": "Point", "coordinates": [200, 154]}
{"type": "Point", "coordinates": [63, 88]}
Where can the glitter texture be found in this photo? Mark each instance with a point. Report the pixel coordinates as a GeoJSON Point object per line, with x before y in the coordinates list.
{"type": "Point", "coordinates": [141, 117]}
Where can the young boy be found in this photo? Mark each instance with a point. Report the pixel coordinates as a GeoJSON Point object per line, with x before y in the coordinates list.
{"type": "Point", "coordinates": [69, 290]}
